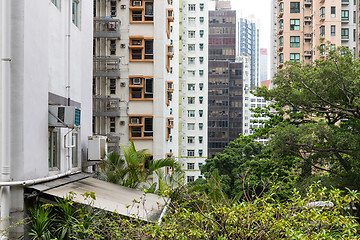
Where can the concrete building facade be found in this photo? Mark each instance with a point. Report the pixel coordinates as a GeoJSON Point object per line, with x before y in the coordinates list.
{"type": "Point", "coordinates": [45, 96]}
{"type": "Point", "coordinates": [248, 45]}
{"type": "Point", "coordinates": [299, 27]}
{"type": "Point", "coordinates": [193, 87]}
{"type": "Point", "coordinates": [263, 65]}
{"type": "Point", "coordinates": [135, 85]}
{"type": "Point", "coordinates": [225, 80]}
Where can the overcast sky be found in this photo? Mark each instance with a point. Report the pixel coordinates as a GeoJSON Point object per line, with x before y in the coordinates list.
{"type": "Point", "coordinates": [261, 11]}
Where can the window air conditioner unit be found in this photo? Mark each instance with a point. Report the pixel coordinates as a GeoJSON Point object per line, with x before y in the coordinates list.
{"type": "Point", "coordinates": [136, 81]}
{"type": "Point", "coordinates": [123, 6]}
{"type": "Point", "coordinates": [136, 3]}
{"type": "Point", "coordinates": [64, 116]}
{"type": "Point", "coordinates": [122, 84]}
{"type": "Point", "coordinates": [122, 123]}
{"type": "Point", "coordinates": [97, 148]}
{"type": "Point", "coordinates": [135, 121]}
{"type": "Point", "coordinates": [122, 45]}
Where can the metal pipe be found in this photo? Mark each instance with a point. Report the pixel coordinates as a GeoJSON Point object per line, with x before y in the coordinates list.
{"type": "Point", "coordinates": [38, 180]}
{"type": "Point", "coordinates": [5, 112]}
{"type": "Point", "coordinates": [68, 35]}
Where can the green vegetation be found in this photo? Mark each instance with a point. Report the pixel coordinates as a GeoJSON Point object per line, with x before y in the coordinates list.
{"type": "Point", "coordinates": [251, 191]}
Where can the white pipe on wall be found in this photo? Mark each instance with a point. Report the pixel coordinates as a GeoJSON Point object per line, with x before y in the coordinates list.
{"type": "Point", "coordinates": [5, 89]}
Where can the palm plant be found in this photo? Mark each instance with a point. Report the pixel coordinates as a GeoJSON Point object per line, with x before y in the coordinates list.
{"type": "Point", "coordinates": [135, 169]}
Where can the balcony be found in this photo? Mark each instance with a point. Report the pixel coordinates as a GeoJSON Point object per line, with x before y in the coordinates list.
{"type": "Point", "coordinates": [106, 28]}
{"type": "Point", "coordinates": [106, 67]}
{"type": "Point", "coordinates": [106, 107]}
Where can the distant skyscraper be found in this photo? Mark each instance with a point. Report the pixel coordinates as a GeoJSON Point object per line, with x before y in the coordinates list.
{"type": "Point", "coordinates": [263, 64]}
{"type": "Point", "coordinates": [225, 80]}
{"type": "Point", "coordinates": [248, 45]}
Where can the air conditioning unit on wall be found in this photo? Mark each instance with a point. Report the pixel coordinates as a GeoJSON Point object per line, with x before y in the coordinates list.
{"type": "Point", "coordinates": [64, 116]}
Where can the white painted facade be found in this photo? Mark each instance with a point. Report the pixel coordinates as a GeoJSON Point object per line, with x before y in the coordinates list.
{"type": "Point", "coordinates": [250, 101]}
{"type": "Point", "coordinates": [348, 21]}
{"type": "Point", "coordinates": [51, 64]}
{"type": "Point", "coordinates": [193, 99]}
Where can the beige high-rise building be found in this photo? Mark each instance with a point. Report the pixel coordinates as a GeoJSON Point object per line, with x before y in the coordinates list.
{"type": "Point", "coordinates": [299, 27]}
{"type": "Point", "coordinates": [135, 78]}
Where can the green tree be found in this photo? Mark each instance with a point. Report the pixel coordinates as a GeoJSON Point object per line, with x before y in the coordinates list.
{"type": "Point", "coordinates": [245, 168]}
{"type": "Point", "coordinates": [321, 125]}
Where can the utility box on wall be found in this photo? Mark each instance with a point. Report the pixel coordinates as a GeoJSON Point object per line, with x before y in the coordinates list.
{"type": "Point", "coordinates": [97, 148]}
{"type": "Point", "coordinates": [64, 116]}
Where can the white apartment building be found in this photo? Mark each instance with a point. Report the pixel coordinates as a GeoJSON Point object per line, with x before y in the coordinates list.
{"type": "Point", "coordinates": [193, 86]}
{"type": "Point", "coordinates": [135, 85]}
{"type": "Point", "coordinates": [45, 96]}
{"type": "Point", "coordinates": [250, 102]}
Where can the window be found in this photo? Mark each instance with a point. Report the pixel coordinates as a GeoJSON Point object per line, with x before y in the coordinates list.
{"type": "Point", "coordinates": [201, 139]}
{"type": "Point", "coordinates": [322, 12]}
{"type": "Point", "coordinates": [344, 15]}
{"type": "Point", "coordinates": [112, 124]}
{"type": "Point", "coordinates": [112, 47]}
{"type": "Point", "coordinates": [200, 152]}
{"type": "Point", "coordinates": [344, 33]}
{"type": "Point", "coordinates": [333, 27]}
{"type": "Point", "coordinates": [191, 20]}
{"type": "Point", "coordinates": [201, 19]}
{"type": "Point", "coordinates": [281, 58]}
{"type": "Point", "coordinates": [200, 164]}
{"type": "Point", "coordinates": [191, 7]}
{"type": "Point", "coordinates": [191, 47]}
{"type": "Point", "coordinates": [191, 60]}
{"type": "Point", "coordinates": [112, 86]}
{"type": "Point", "coordinates": [75, 150]}
{"type": "Point", "coordinates": [294, 24]}
{"type": "Point", "coordinates": [201, 45]}
{"type": "Point", "coordinates": [190, 153]}
{"type": "Point", "coordinates": [294, 41]}
{"type": "Point", "coordinates": [201, 33]}
{"type": "Point", "coordinates": [191, 139]}
{"type": "Point", "coordinates": [281, 24]}
{"type": "Point", "coordinates": [141, 49]}
{"type": "Point", "coordinates": [201, 112]}
{"type": "Point", "coordinates": [201, 125]}
{"type": "Point", "coordinates": [191, 100]}
{"type": "Point", "coordinates": [201, 99]}
{"type": "Point", "coordinates": [191, 87]}
{"type": "Point", "coordinates": [201, 6]}
{"type": "Point", "coordinates": [281, 41]}
{"type": "Point", "coordinates": [190, 179]}
{"type": "Point", "coordinates": [141, 127]}
{"type": "Point", "coordinates": [53, 149]}
{"type": "Point", "coordinates": [322, 49]}
{"type": "Point", "coordinates": [191, 113]}
{"type": "Point", "coordinates": [75, 12]}
{"type": "Point", "coordinates": [113, 8]}
{"type": "Point", "coordinates": [354, 35]}
{"type": "Point", "coordinates": [201, 86]}
{"type": "Point", "coordinates": [201, 72]}
{"type": "Point", "coordinates": [191, 126]}
{"type": "Point", "coordinates": [141, 88]}
{"type": "Point", "coordinates": [294, 7]}
{"type": "Point", "coordinates": [333, 12]}
{"type": "Point", "coordinates": [56, 2]}
{"type": "Point", "coordinates": [191, 34]}
{"type": "Point", "coordinates": [281, 7]}
{"type": "Point", "coordinates": [294, 57]}
{"type": "Point", "coordinates": [141, 11]}
{"type": "Point", "coordinates": [322, 31]}
{"type": "Point", "coordinates": [201, 59]}
{"type": "Point", "coordinates": [191, 166]}
{"type": "Point", "coordinates": [307, 23]}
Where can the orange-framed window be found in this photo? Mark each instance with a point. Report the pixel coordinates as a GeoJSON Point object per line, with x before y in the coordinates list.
{"type": "Point", "coordinates": [169, 126]}
{"type": "Point", "coordinates": [141, 11]}
{"type": "Point", "coordinates": [141, 48]}
{"type": "Point", "coordinates": [169, 91]}
{"type": "Point", "coordinates": [141, 88]}
{"type": "Point", "coordinates": [169, 19]}
{"type": "Point", "coordinates": [141, 127]}
{"type": "Point", "coordinates": [170, 55]}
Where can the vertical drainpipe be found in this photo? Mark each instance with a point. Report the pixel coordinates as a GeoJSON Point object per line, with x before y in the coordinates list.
{"type": "Point", "coordinates": [5, 105]}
